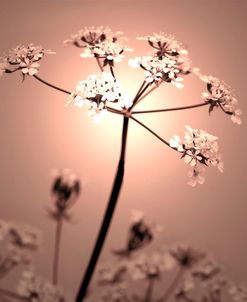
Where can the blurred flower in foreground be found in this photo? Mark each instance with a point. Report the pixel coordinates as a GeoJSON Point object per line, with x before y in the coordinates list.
{"type": "Point", "coordinates": [65, 191]}
{"type": "Point", "coordinates": [96, 91]}
{"type": "Point", "coordinates": [35, 289]}
{"type": "Point", "coordinates": [100, 42]}
{"type": "Point", "coordinates": [116, 294]}
{"type": "Point", "coordinates": [220, 95]}
{"type": "Point", "coordinates": [199, 149]}
{"type": "Point", "coordinates": [24, 58]}
{"type": "Point", "coordinates": [238, 292]}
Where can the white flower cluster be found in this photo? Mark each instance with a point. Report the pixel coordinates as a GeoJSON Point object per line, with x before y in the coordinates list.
{"type": "Point", "coordinates": [156, 69]}
{"type": "Point", "coordinates": [35, 289]}
{"type": "Point", "coordinates": [95, 91]}
{"type": "Point", "coordinates": [170, 60]}
{"type": "Point", "coordinates": [100, 42]}
{"type": "Point", "coordinates": [24, 58]}
{"type": "Point", "coordinates": [19, 242]}
{"type": "Point", "coordinates": [199, 148]}
{"type": "Point", "coordinates": [219, 94]}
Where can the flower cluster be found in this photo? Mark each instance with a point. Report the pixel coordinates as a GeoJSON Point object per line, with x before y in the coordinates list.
{"type": "Point", "coordinates": [35, 289]}
{"type": "Point", "coordinates": [24, 58]}
{"type": "Point", "coordinates": [19, 241]}
{"type": "Point", "coordinates": [219, 94]}
{"type": "Point", "coordinates": [169, 62]}
{"type": "Point", "coordinates": [157, 70]}
{"type": "Point", "coordinates": [96, 91]}
{"type": "Point", "coordinates": [65, 191]}
{"type": "Point", "coordinates": [100, 42]}
{"type": "Point", "coordinates": [199, 149]}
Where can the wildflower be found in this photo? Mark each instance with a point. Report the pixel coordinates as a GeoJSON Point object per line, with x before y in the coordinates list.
{"type": "Point", "coordinates": [96, 91]}
{"type": "Point", "coordinates": [100, 42]}
{"type": "Point", "coordinates": [199, 149]}
{"type": "Point", "coordinates": [112, 273]}
{"type": "Point", "coordinates": [116, 294]}
{"type": "Point", "coordinates": [185, 256]}
{"type": "Point", "coordinates": [24, 58]}
{"type": "Point", "coordinates": [220, 95]}
{"type": "Point", "coordinates": [65, 190]}
{"type": "Point", "coordinates": [35, 289]}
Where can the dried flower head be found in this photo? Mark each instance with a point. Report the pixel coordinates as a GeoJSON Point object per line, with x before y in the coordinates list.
{"type": "Point", "coordinates": [65, 190]}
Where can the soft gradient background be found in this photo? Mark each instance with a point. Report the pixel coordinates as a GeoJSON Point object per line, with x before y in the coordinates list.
{"type": "Point", "coordinates": [38, 133]}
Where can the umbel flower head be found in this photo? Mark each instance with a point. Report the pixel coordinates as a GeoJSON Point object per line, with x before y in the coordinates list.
{"type": "Point", "coordinates": [100, 42]}
{"type": "Point", "coordinates": [24, 58]}
{"type": "Point", "coordinates": [96, 91]}
{"type": "Point", "coordinates": [220, 95]}
{"type": "Point", "coordinates": [65, 191]}
{"type": "Point", "coordinates": [199, 149]}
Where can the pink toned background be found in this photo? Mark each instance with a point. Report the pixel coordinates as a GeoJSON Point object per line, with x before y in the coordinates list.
{"type": "Point", "coordinates": [38, 133]}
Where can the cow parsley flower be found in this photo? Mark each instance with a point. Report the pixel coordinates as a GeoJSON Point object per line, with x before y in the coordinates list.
{"type": "Point", "coordinates": [24, 58]}
{"type": "Point", "coordinates": [199, 148]}
{"type": "Point", "coordinates": [100, 42]}
{"type": "Point", "coordinates": [96, 91]}
{"type": "Point", "coordinates": [158, 69]}
{"type": "Point", "coordinates": [35, 289]}
{"type": "Point", "coordinates": [220, 95]}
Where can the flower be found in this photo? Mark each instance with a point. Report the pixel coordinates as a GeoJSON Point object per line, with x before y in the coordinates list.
{"type": "Point", "coordinates": [24, 58]}
{"type": "Point", "coordinates": [116, 294]}
{"type": "Point", "coordinates": [199, 149]}
{"type": "Point", "coordinates": [186, 256]}
{"type": "Point", "coordinates": [238, 292]}
{"type": "Point", "coordinates": [65, 190]}
{"type": "Point", "coordinates": [219, 94]}
{"type": "Point", "coordinates": [96, 91]}
{"type": "Point", "coordinates": [3, 66]}
{"type": "Point", "coordinates": [35, 289]}
{"type": "Point", "coordinates": [159, 69]}
{"type": "Point", "coordinates": [112, 273]}
{"type": "Point", "coordinates": [100, 42]}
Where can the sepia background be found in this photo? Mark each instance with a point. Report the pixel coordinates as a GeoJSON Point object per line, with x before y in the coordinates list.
{"type": "Point", "coordinates": [39, 134]}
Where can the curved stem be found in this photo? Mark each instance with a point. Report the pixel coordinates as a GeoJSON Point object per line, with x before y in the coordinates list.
{"type": "Point", "coordinates": [107, 217]}
{"type": "Point", "coordinates": [172, 286]}
{"type": "Point", "coordinates": [171, 109]}
{"type": "Point", "coordinates": [56, 251]}
{"type": "Point", "coordinates": [51, 85]}
{"type": "Point", "coordinates": [112, 72]}
{"type": "Point", "coordinates": [151, 131]}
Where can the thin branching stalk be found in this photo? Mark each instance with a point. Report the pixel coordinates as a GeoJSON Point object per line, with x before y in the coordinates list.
{"type": "Point", "coordinates": [170, 290]}
{"type": "Point", "coordinates": [99, 64]}
{"type": "Point", "coordinates": [151, 131]}
{"type": "Point", "coordinates": [51, 85]}
{"type": "Point", "coordinates": [151, 90]}
{"type": "Point", "coordinates": [107, 217]}
{"type": "Point", "coordinates": [55, 270]}
{"type": "Point", "coordinates": [171, 109]}
{"type": "Point", "coordinates": [112, 72]}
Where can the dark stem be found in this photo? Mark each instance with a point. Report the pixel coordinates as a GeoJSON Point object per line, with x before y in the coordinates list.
{"type": "Point", "coordinates": [171, 109]}
{"type": "Point", "coordinates": [172, 287]}
{"type": "Point", "coordinates": [57, 251]}
{"type": "Point", "coordinates": [112, 72]}
{"type": "Point", "coordinates": [149, 291]}
{"type": "Point", "coordinates": [140, 92]}
{"type": "Point", "coordinates": [152, 89]}
{"type": "Point", "coordinates": [99, 64]}
{"type": "Point", "coordinates": [51, 85]}
{"type": "Point", "coordinates": [151, 131]}
{"type": "Point", "coordinates": [108, 216]}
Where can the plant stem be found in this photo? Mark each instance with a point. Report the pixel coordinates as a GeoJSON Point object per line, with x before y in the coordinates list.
{"type": "Point", "coordinates": [108, 216]}
{"type": "Point", "coordinates": [112, 72]}
{"type": "Point", "coordinates": [149, 291]}
{"type": "Point", "coordinates": [99, 64]}
{"type": "Point", "coordinates": [155, 134]}
{"type": "Point", "coordinates": [57, 251]}
{"type": "Point", "coordinates": [171, 109]}
{"type": "Point", "coordinates": [51, 85]}
{"type": "Point", "coordinates": [12, 295]}
{"type": "Point", "coordinates": [172, 286]}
